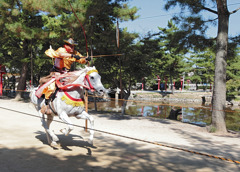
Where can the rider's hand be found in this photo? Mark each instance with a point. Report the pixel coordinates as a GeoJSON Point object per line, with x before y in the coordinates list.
{"type": "Point", "coordinates": [77, 57]}
{"type": "Point", "coordinates": [88, 58]}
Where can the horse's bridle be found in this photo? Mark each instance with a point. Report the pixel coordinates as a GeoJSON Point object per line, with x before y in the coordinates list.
{"type": "Point", "coordinates": [88, 80]}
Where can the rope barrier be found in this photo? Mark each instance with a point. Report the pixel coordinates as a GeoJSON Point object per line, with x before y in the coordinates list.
{"type": "Point", "coordinates": [140, 140]}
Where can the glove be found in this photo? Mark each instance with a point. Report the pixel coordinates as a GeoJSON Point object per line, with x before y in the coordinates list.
{"type": "Point", "coordinates": [88, 58]}
{"type": "Point", "coordinates": [76, 57]}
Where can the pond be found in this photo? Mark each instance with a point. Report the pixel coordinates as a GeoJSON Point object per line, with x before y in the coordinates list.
{"type": "Point", "coordinates": [196, 114]}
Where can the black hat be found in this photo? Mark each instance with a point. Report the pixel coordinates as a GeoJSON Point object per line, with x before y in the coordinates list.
{"type": "Point", "coordinates": [70, 41]}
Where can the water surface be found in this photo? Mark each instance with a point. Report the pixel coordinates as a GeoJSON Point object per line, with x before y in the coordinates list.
{"type": "Point", "coordinates": [197, 114]}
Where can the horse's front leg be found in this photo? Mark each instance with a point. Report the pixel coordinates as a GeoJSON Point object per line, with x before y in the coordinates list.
{"type": "Point", "coordinates": [55, 139]}
{"type": "Point", "coordinates": [44, 124]}
{"type": "Point", "coordinates": [51, 137]}
{"type": "Point", "coordinates": [65, 118]}
{"type": "Point", "coordinates": [85, 115]}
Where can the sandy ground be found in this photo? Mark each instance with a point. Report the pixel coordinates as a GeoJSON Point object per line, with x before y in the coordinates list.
{"type": "Point", "coordinates": [24, 148]}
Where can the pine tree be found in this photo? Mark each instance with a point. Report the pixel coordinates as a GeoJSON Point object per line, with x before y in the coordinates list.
{"type": "Point", "coordinates": [233, 76]}
{"type": "Point", "coordinates": [203, 65]}
{"type": "Point", "coordinates": [28, 28]}
{"type": "Point", "coordinates": [172, 63]}
{"type": "Point", "coordinates": [21, 27]}
{"type": "Point", "coordinates": [194, 27]}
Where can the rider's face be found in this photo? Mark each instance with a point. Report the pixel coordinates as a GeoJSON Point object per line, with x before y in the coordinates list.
{"type": "Point", "coordinates": [70, 48]}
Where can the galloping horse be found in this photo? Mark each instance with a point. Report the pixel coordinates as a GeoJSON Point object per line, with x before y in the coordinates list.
{"type": "Point", "coordinates": [69, 101]}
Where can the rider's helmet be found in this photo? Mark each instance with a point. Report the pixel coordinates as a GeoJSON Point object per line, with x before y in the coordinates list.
{"type": "Point", "coordinates": [70, 41]}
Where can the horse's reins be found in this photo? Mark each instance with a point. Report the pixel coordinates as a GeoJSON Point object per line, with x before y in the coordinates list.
{"type": "Point", "coordinates": [88, 80]}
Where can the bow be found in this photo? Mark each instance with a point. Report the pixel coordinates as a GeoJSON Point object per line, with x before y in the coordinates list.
{"type": "Point", "coordinates": [117, 35]}
{"type": "Point", "coordinates": [81, 26]}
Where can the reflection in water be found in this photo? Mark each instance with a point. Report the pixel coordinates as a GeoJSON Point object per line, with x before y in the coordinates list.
{"type": "Point", "coordinates": [190, 113]}
{"type": "Point", "coordinates": [196, 116]}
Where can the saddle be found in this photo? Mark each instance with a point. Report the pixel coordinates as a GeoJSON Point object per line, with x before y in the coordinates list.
{"type": "Point", "coordinates": [59, 79]}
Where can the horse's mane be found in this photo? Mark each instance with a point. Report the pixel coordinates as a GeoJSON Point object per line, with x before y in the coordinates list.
{"type": "Point", "coordinates": [80, 70]}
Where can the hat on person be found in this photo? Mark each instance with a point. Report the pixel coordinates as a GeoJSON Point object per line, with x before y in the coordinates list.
{"type": "Point", "coordinates": [70, 41]}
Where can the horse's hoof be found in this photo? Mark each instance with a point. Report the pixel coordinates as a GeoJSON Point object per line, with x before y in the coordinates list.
{"type": "Point", "coordinates": [90, 142]}
{"type": "Point", "coordinates": [55, 138]}
{"type": "Point", "coordinates": [64, 131]}
{"type": "Point", "coordinates": [54, 144]}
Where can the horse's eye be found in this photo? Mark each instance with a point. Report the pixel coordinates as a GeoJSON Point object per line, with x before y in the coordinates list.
{"type": "Point", "coordinates": [92, 77]}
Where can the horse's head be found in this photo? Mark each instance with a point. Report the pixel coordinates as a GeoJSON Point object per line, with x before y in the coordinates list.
{"type": "Point", "coordinates": [94, 81]}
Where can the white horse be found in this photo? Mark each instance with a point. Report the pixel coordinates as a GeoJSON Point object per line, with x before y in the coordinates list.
{"type": "Point", "coordinates": [69, 102]}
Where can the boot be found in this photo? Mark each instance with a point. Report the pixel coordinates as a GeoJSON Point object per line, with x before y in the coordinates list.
{"type": "Point", "coordinates": [46, 101]}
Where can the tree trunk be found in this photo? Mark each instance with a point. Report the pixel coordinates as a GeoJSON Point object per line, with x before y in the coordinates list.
{"type": "Point", "coordinates": [219, 90]}
{"type": "Point", "coordinates": [23, 77]}
{"type": "Point", "coordinates": [22, 81]}
{"type": "Point", "coordinates": [125, 100]}
{"type": "Point", "coordinates": [171, 81]}
{"type": "Point", "coordinates": [123, 108]}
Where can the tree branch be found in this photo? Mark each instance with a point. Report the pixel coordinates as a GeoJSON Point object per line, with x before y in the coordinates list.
{"type": "Point", "coordinates": [210, 20]}
{"type": "Point", "coordinates": [210, 10]}
{"type": "Point", "coordinates": [235, 10]}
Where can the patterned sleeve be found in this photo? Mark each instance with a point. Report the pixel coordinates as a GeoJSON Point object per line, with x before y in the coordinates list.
{"type": "Point", "coordinates": [55, 54]}
{"type": "Point", "coordinates": [81, 60]}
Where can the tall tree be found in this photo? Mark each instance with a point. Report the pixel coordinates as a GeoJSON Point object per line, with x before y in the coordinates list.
{"type": "Point", "coordinates": [21, 27]}
{"type": "Point", "coordinates": [233, 76]}
{"type": "Point", "coordinates": [195, 27]}
{"type": "Point", "coordinates": [123, 70]}
{"type": "Point", "coordinates": [29, 27]}
{"type": "Point", "coordinates": [203, 64]}
{"type": "Point", "coordinates": [172, 62]}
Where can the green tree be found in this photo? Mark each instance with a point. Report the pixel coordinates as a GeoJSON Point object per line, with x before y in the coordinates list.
{"type": "Point", "coordinates": [194, 27]}
{"type": "Point", "coordinates": [149, 51]}
{"type": "Point", "coordinates": [21, 27]}
{"type": "Point", "coordinates": [123, 71]}
{"type": "Point", "coordinates": [30, 27]}
{"type": "Point", "coordinates": [203, 65]}
{"type": "Point", "coordinates": [233, 76]}
{"type": "Point", "coordinates": [172, 62]}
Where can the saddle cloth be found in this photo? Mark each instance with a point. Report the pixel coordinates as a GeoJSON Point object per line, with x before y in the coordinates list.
{"type": "Point", "coordinates": [39, 91]}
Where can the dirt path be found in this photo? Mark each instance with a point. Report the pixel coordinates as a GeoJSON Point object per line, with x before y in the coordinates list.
{"type": "Point", "coordinates": [24, 148]}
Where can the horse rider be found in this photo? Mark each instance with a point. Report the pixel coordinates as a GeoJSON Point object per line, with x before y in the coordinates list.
{"type": "Point", "coordinates": [64, 57]}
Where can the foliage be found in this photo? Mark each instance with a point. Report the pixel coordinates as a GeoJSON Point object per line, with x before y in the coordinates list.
{"type": "Point", "coordinates": [172, 63]}
{"type": "Point", "coordinates": [28, 28]}
{"type": "Point", "coordinates": [192, 35]}
{"type": "Point", "coordinates": [203, 65]}
{"type": "Point", "coordinates": [233, 76]}
{"type": "Point", "coordinates": [148, 50]}
{"type": "Point", "coordinates": [193, 26]}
